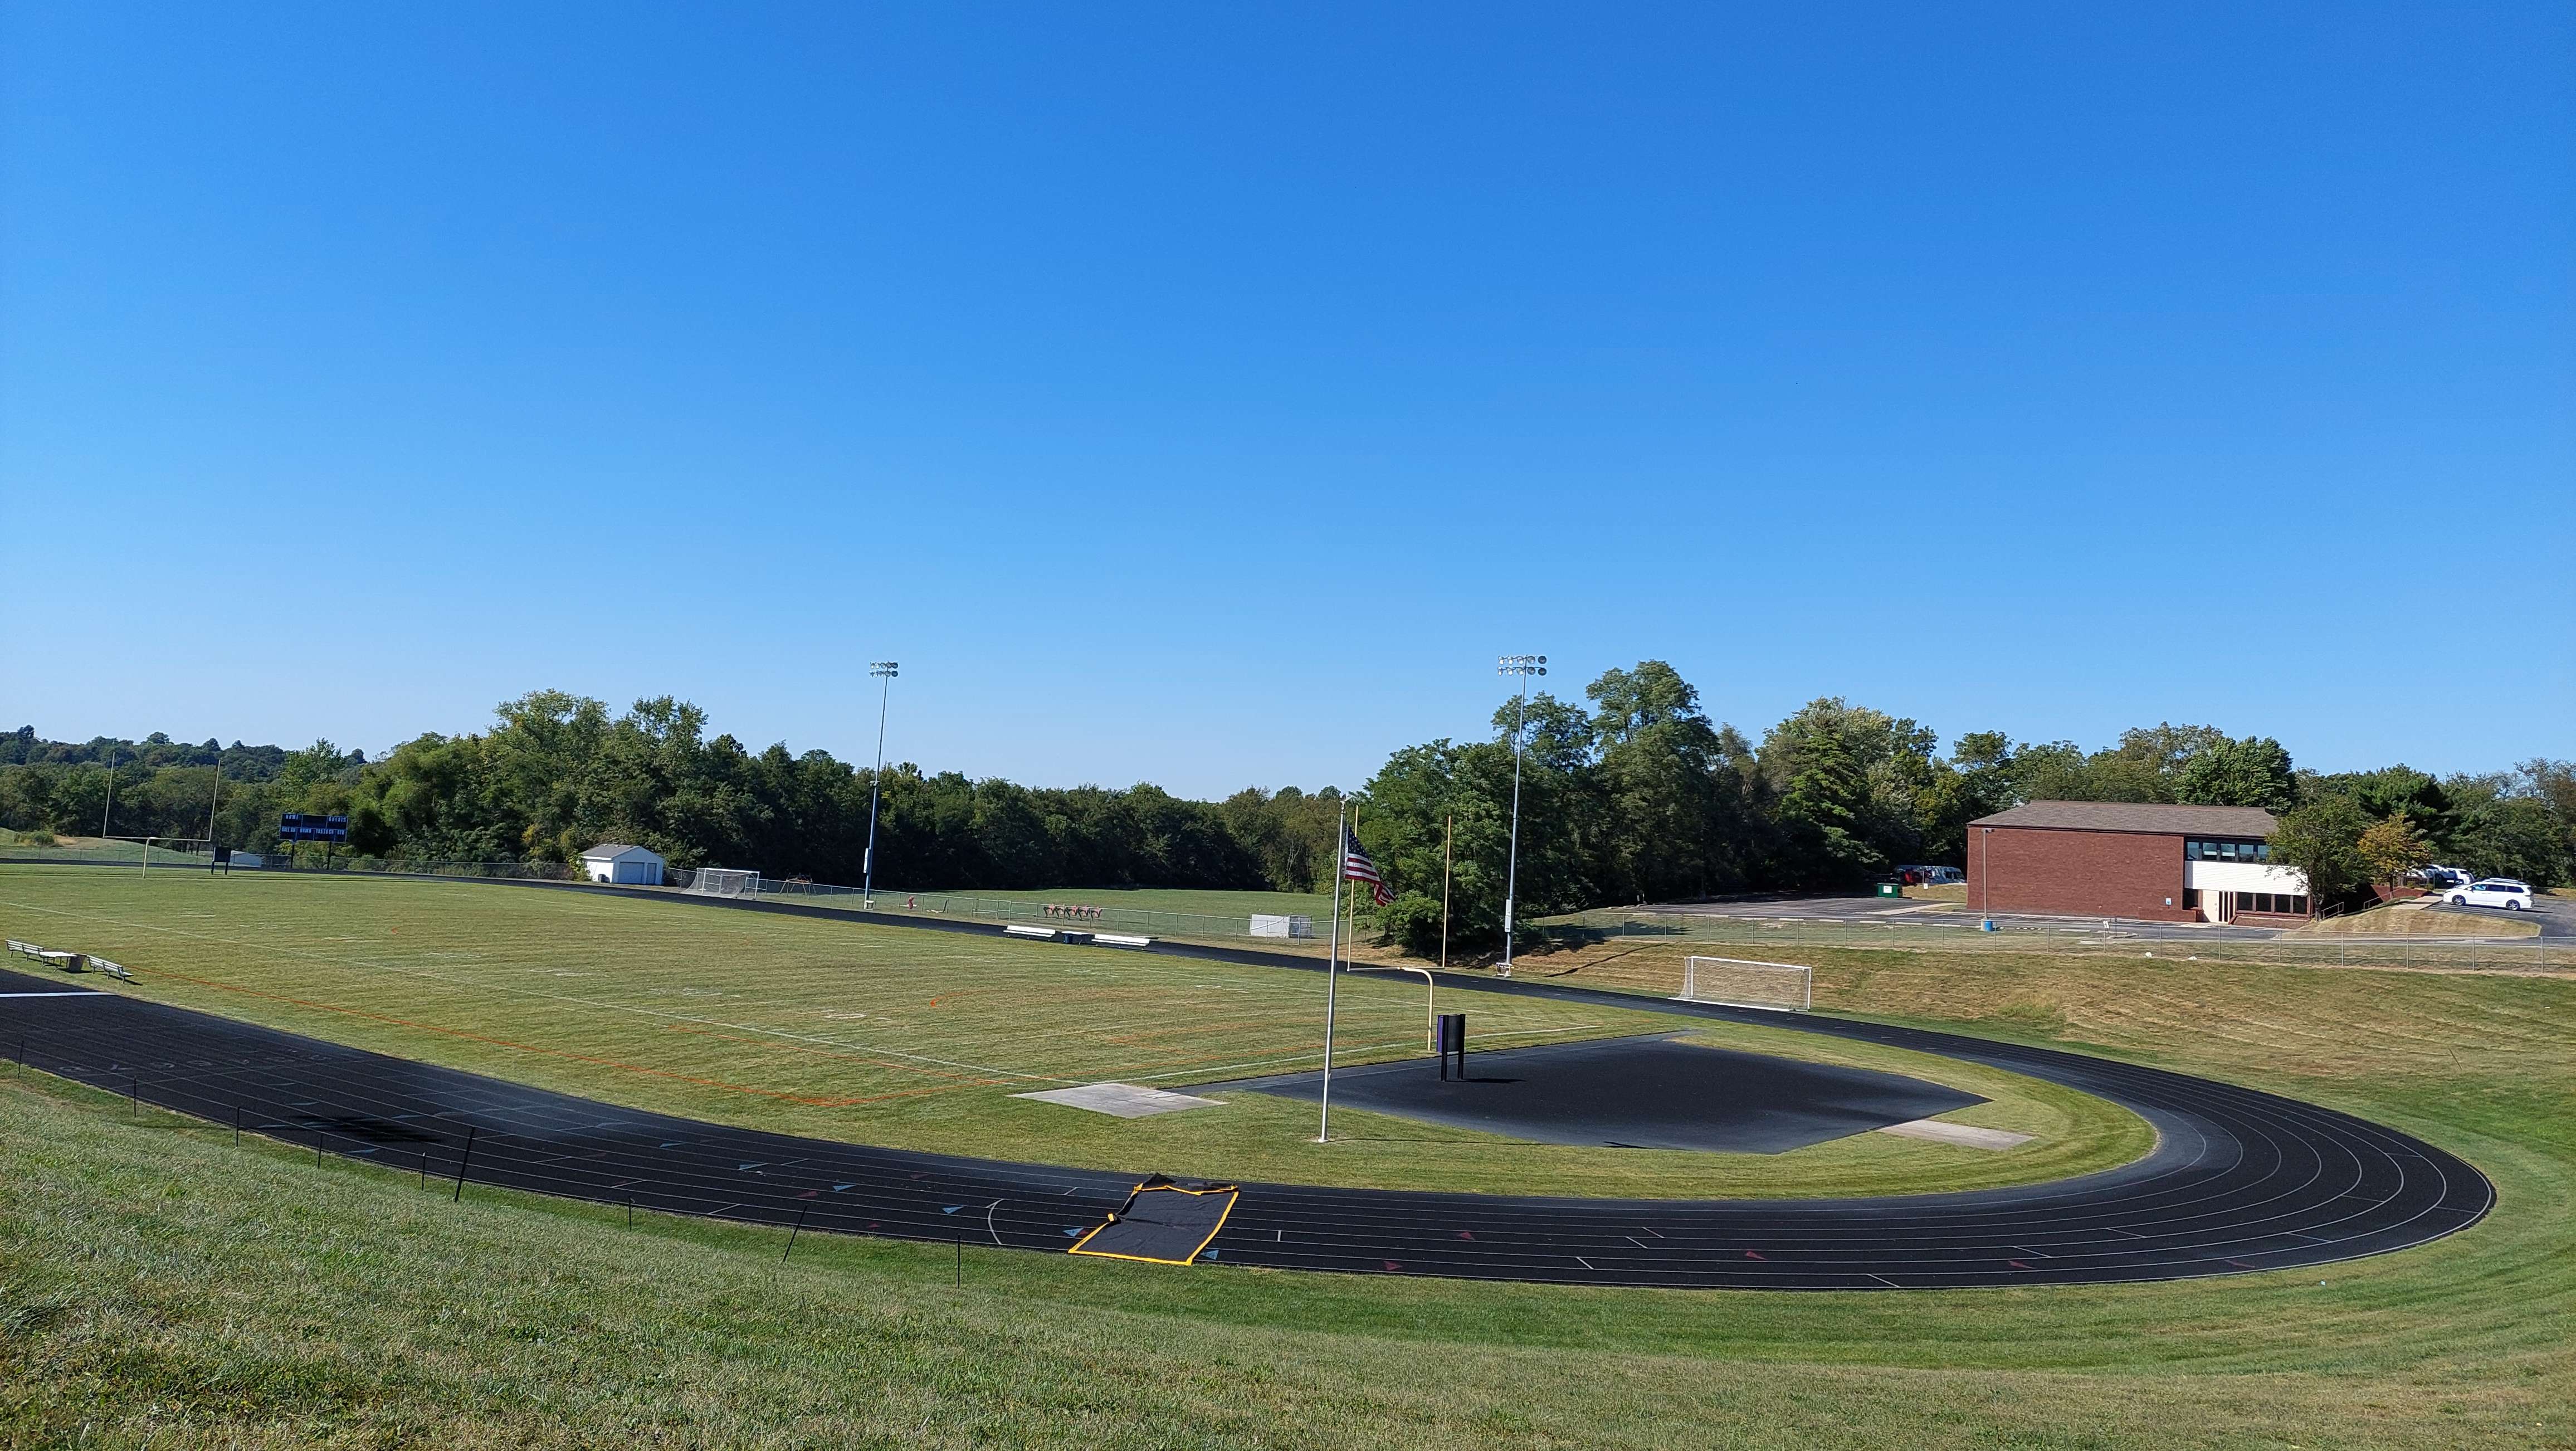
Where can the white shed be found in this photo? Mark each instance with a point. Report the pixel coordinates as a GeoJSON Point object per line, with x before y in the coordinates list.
{"type": "Point", "coordinates": [625, 865]}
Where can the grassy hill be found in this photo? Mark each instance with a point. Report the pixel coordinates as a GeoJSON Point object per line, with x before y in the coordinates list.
{"type": "Point", "coordinates": [160, 1287]}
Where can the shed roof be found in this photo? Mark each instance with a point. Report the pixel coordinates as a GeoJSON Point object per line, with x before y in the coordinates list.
{"type": "Point", "coordinates": [610, 850]}
{"type": "Point", "coordinates": [2139, 816]}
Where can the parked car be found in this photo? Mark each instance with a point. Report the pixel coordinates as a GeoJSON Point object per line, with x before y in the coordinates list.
{"type": "Point", "coordinates": [2502, 892]}
{"type": "Point", "coordinates": [2440, 876]}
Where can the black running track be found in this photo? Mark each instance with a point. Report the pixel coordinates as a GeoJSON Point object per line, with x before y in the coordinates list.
{"type": "Point", "coordinates": [2238, 1180]}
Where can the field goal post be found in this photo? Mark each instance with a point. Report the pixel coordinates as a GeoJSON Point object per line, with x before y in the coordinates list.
{"type": "Point", "coordinates": [724, 882]}
{"type": "Point", "coordinates": [1736, 982]}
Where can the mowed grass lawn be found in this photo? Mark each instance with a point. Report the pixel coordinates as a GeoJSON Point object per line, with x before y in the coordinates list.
{"type": "Point", "coordinates": [920, 1039]}
{"type": "Point", "coordinates": [160, 1287]}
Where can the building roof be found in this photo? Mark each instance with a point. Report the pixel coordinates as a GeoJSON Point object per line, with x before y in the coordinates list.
{"type": "Point", "coordinates": [608, 850]}
{"type": "Point", "coordinates": [2140, 816]}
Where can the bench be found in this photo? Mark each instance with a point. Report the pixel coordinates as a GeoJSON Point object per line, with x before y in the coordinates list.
{"type": "Point", "coordinates": [1018, 930]}
{"type": "Point", "coordinates": [112, 969]}
{"type": "Point", "coordinates": [24, 949]}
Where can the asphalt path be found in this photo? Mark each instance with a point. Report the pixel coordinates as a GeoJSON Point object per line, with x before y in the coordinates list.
{"type": "Point", "coordinates": [2238, 1180]}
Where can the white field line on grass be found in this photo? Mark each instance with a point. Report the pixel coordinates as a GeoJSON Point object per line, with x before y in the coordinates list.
{"type": "Point", "coordinates": [469, 988]}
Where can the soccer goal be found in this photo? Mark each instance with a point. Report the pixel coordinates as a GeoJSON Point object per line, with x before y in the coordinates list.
{"type": "Point", "coordinates": [724, 882]}
{"type": "Point", "coordinates": [1736, 983]}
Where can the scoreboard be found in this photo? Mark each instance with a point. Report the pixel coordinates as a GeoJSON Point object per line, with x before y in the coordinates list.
{"type": "Point", "coordinates": [299, 826]}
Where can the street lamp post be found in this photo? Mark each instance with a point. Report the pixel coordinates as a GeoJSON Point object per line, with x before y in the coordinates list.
{"type": "Point", "coordinates": [1523, 666]}
{"type": "Point", "coordinates": [1986, 878]}
{"type": "Point", "coordinates": [883, 670]}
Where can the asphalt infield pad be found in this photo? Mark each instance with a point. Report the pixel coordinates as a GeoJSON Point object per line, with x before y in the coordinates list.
{"type": "Point", "coordinates": [1650, 1092]}
{"type": "Point", "coordinates": [2239, 1180]}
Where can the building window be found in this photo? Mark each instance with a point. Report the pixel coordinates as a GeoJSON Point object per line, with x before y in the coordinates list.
{"type": "Point", "coordinates": [2200, 850]}
{"type": "Point", "coordinates": [2191, 896]}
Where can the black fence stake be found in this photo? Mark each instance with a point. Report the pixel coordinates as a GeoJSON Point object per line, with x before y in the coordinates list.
{"type": "Point", "coordinates": [236, 1123]}
{"type": "Point", "coordinates": [630, 1221]}
{"type": "Point", "coordinates": [791, 1234]}
{"type": "Point", "coordinates": [961, 1259]}
{"type": "Point", "coordinates": [317, 1148]}
{"type": "Point", "coordinates": [461, 1161]}
{"type": "Point", "coordinates": [424, 1168]}
{"type": "Point", "coordinates": [133, 1097]}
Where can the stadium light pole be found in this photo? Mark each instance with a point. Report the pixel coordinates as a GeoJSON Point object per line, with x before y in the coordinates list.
{"type": "Point", "coordinates": [883, 670]}
{"type": "Point", "coordinates": [1523, 666]}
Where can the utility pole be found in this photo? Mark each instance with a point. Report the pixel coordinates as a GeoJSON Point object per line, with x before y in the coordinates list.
{"type": "Point", "coordinates": [883, 670]}
{"type": "Point", "coordinates": [1523, 666]}
{"type": "Point", "coordinates": [109, 809]}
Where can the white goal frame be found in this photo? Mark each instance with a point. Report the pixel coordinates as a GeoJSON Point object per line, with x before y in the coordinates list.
{"type": "Point", "coordinates": [1797, 984]}
{"type": "Point", "coordinates": [724, 882]}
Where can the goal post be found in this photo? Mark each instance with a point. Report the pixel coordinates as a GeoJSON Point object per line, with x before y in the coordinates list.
{"type": "Point", "coordinates": [1737, 982]}
{"type": "Point", "coordinates": [723, 882]}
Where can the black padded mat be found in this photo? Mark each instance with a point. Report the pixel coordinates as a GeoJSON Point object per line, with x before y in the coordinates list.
{"type": "Point", "coordinates": [1634, 1093]}
{"type": "Point", "coordinates": [1165, 1221]}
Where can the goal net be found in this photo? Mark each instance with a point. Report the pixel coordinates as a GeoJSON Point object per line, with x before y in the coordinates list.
{"type": "Point", "coordinates": [1737, 983]}
{"type": "Point", "coordinates": [724, 882]}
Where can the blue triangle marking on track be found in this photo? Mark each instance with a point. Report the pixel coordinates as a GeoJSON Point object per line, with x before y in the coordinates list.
{"type": "Point", "coordinates": [673, 1143]}
{"type": "Point", "coordinates": [747, 1164]}
{"type": "Point", "coordinates": [837, 1188]}
{"type": "Point", "coordinates": [1073, 1233]}
{"type": "Point", "coordinates": [952, 1209]}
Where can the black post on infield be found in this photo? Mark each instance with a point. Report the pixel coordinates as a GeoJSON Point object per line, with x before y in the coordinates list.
{"type": "Point", "coordinates": [462, 1160]}
{"type": "Point", "coordinates": [791, 1234]}
{"type": "Point", "coordinates": [1452, 1038]}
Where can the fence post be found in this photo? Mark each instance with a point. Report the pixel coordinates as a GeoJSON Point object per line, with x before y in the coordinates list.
{"type": "Point", "coordinates": [461, 1161]}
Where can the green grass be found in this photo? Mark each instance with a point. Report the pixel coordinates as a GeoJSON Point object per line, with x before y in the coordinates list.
{"type": "Point", "coordinates": [158, 1287]}
{"type": "Point", "coordinates": [916, 1039]}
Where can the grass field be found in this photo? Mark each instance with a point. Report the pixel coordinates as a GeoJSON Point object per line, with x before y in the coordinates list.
{"type": "Point", "coordinates": [158, 1287]}
{"type": "Point", "coordinates": [897, 1036]}
{"type": "Point", "coordinates": [2415, 921]}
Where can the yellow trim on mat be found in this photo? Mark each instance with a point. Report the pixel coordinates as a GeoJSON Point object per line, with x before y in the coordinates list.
{"type": "Point", "coordinates": [1191, 1257]}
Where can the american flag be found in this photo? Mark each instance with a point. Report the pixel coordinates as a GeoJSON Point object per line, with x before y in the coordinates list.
{"type": "Point", "coordinates": [1356, 867]}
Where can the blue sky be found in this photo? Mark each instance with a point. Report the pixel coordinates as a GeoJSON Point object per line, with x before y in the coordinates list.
{"type": "Point", "coordinates": [1207, 395]}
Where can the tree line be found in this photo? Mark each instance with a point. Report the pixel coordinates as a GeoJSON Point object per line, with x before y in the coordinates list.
{"type": "Point", "coordinates": [1632, 795]}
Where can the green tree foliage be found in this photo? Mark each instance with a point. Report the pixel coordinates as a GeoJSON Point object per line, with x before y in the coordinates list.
{"type": "Point", "coordinates": [2251, 772]}
{"type": "Point", "coordinates": [2321, 837]}
{"type": "Point", "coordinates": [2393, 850]}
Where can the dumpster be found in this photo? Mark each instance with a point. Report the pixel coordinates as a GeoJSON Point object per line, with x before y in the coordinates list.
{"type": "Point", "coordinates": [1891, 889]}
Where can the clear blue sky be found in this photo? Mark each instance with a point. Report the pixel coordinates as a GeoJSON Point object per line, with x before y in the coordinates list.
{"type": "Point", "coordinates": [1207, 395]}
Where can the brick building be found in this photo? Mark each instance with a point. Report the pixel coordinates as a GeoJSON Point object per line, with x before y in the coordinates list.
{"type": "Point", "coordinates": [2130, 859]}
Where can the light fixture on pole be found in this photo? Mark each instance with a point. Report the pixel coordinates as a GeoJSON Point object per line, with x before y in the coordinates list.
{"type": "Point", "coordinates": [883, 670]}
{"type": "Point", "coordinates": [1523, 666]}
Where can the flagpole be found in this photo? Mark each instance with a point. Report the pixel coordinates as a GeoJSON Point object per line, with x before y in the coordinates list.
{"type": "Point", "coordinates": [1332, 956]}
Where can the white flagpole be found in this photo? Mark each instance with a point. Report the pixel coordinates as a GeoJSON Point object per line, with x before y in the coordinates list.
{"type": "Point", "coordinates": [1332, 957]}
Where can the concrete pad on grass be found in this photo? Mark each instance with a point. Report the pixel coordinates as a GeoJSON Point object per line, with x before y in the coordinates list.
{"type": "Point", "coordinates": [1121, 1100]}
{"type": "Point", "coordinates": [1966, 1136]}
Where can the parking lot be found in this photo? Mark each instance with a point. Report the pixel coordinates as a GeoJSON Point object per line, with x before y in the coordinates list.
{"type": "Point", "coordinates": [2555, 916]}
